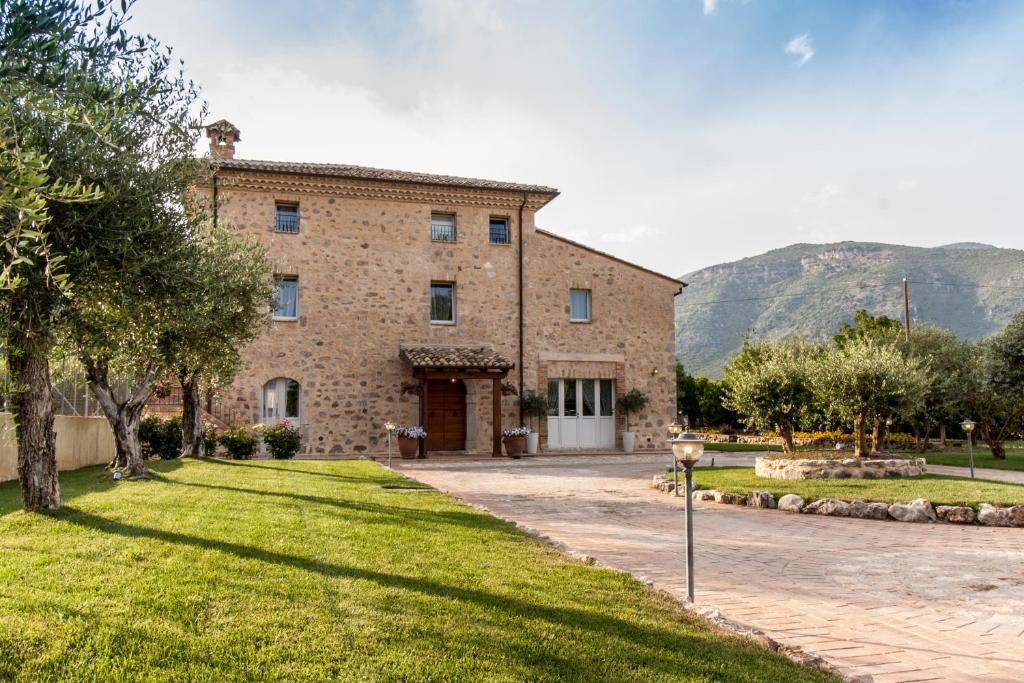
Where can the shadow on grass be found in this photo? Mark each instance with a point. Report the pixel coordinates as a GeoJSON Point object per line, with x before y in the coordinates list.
{"type": "Point", "coordinates": [297, 470]}
{"type": "Point", "coordinates": [613, 628]}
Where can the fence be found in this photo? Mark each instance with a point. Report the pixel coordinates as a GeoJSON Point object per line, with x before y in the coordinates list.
{"type": "Point", "coordinates": [81, 441]}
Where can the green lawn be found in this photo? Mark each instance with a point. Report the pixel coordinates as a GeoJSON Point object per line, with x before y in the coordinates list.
{"type": "Point", "coordinates": [938, 489]}
{"type": "Point", "coordinates": [246, 571]}
{"type": "Point", "coordinates": [982, 458]}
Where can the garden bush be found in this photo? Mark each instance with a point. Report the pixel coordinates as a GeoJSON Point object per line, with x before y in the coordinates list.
{"type": "Point", "coordinates": [282, 440]}
{"type": "Point", "coordinates": [211, 437]}
{"type": "Point", "coordinates": [239, 442]}
{"type": "Point", "coordinates": [160, 436]}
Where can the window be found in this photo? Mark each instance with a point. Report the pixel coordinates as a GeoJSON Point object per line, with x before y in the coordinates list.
{"type": "Point", "coordinates": [579, 305]}
{"type": "Point", "coordinates": [607, 402]}
{"type": "Point", "coordinates": [286, 218]}
{"type": "Point", "coordinates": [287, 297]}
{"type": "Point", "coordinates": [280, 400]}
{"type": "Point", "coordinates": [499, 231]}
{"type": "Point", "coordinates": [442, 302]}
{"type": "Point", "coordinates": [442, 227]}
{"type": "Point", "coordinates": [588, 397]}
{"type": "Point", "coordinates": [553, 398]}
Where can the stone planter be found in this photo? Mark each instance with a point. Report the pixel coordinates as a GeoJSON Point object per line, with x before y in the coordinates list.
{"type": "Point", "coordinates": [628, 441]}
{"type": "Point", "coordinates": [408, 447]}
{"type": "Point", "coordinates": [838, 468]}
{"type": "Point", "coordinates": [532, 443]}
{"type": "Point", "coordinates": [514, 445]}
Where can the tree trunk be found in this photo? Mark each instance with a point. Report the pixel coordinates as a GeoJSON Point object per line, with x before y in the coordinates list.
{"type": "Point", "coordinates": [786, 432]}
{"type": "Point", "coordinates": [192, 443]}
{"type": "Point", "coordinates": [918, 440]}
{"type": "Point", "coordinates": [994, 439]}
{"type": "Point", "coordinates": [927, 439]}
{"type": "Point", "coordinates": [942, 435]}
{"type": "Point", "coordinates": [32, 404]}
{"type": "Point", "coordinates": [124, 416]}
{"type": "Point", "coordinates": [860, 447]}
{"type": "Point", "coordinates": [878, 435]}
{"type": "Point", "coordinates": [998, 449]}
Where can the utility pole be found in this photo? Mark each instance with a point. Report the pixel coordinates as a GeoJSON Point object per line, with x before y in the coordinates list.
{"type": "Point", "coordinates": [906, 309]}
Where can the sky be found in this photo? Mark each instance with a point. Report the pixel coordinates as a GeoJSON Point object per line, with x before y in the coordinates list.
{"type": "Point", "coordinates": [681, 134]}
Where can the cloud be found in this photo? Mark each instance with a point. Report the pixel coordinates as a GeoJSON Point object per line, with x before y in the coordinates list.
{"type": "Point", "coordinates": [710, 6]}
{"type": "Point", "coordinates": [802, 46]}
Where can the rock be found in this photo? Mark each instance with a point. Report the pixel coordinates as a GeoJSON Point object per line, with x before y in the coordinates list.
{"type": "Point", "coordinates": [955, 514]}
{"type": "Point", "coordinates": [919, 510]}
{"type": "Point", "coordinates": [791, 503]}
{"type": "Point", "coordinates": [730, 498]}
{"type": "Point", "coordinates": [1017, 515]}
{"type": "Point", "coordinates": [706, 494]}
{"type": "Point", "coordinates": [862, 510]}
{"type": "Point", "coordinates": [760, 499]}
{"type": "Point", "coordinates": [991, 515]}
{"type": "Point", "coordinates": [829, 506]}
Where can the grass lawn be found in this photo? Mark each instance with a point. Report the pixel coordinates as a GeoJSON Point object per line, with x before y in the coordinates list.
{"type": "Point", "coordinates": [938, 489]}
{"type": "Point", "coordinates": [246, 571]}
{"type": "Point", "coordinates": [982, 458]}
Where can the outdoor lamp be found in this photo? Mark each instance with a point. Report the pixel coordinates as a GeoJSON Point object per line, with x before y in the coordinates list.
{"type": "Point", "coordinates": [676, 428]}
{"type": "Point", "coordinates": [687, 449]}
{"type": "Point", "coordinates": [969, 426]}
{"type": "Point", "coordinates": [390, 426]}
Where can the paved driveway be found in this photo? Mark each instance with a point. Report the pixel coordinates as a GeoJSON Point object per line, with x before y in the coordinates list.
{"type": "Point", "coordinates": [898, 602]}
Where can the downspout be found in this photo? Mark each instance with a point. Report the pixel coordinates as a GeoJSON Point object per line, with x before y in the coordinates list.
{"type": "Point", "coordinates": [521, 307]}
{"type": "Point", "coordinates": [215, 199]}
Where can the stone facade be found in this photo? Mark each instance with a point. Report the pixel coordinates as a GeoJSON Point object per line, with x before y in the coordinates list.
{"type": "Point", "coordinates": [364, 263]}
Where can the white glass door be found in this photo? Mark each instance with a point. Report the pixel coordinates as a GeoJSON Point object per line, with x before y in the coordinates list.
{"type": "Point", "coordinates": [581, 413]}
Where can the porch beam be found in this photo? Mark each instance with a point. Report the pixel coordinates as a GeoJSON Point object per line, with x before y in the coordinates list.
{"type": "Point", "coordinates": [496, 416]}
{"type": "Point", "coordinates": [423, 416]}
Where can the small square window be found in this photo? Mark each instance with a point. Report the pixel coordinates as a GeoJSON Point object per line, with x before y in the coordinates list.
{"type": "Point", "coordinates": [579, 305]}
{"type": "Point", "coordinates": [499, 231]}
{"type": "Point", "coordinates": [286, 219]}
{"type": "Point", "coordinates": [287, 307]}
{"type": "Point", "coordinates": [442, 302]}
{"type": "Point", "coordinates": [442, 227]}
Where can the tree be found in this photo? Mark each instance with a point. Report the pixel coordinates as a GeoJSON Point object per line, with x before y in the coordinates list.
{"type": "Point", "coordinates": [228, 293]}
{"type": "Point", "coordinates": [879, 328]}
{"type": "Point", "coordinates": [867, 380]}
{"type": "Point", "coordinates": [53, 53]}
{"type": "Point", "coordinates": [534, 405]}
{"type": "Point", "coordinates": [633, 401]}
{"type": "Point", "coordinates": [770, 387]}
{"type": "Point", "coordinates": [994, 387]}
{"type": "Point", "coordinates": [687, 397]}
{"type": "Point", "coordinates": [947, 359]}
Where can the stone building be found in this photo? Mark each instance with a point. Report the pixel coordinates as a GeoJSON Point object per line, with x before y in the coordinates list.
{"type": "Point", "coordinates": [425, 299]}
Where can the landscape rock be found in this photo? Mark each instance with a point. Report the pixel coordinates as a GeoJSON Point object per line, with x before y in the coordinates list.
{"type": "Point", "coordinates": [991, 515]}
{"type": "Point", "coordinates": [730, 498]}
{"type": "Point", "coordinates": [919, 510]}
{"type": "Point", "coordinates": [706, 494]}
{"type": "Point", "coordinates": [955, 514]}
{"type": "Point", "coordinates": [863, 510]}
{"type": "Point", "coordinates": [791, 503]}
{"type": "Point", "coordinates": [1017, 515]}
{"type": "Point", "coordinates": [829, 506]}
{"type": "Point", "coordinates": [777, 467]}
{"type": "Point", "coordinates": [760, 499]}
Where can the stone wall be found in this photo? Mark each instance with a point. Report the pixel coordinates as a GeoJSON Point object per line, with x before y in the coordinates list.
{"type": "Point", "coordinates": [846, 468]}
{"type": "Point", "coordinates": [81, 442]}
{"type": "Point", "coordinates": [365, 261]}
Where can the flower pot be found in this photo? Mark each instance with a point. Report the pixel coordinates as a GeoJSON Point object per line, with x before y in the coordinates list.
{"type": "Point", "coordinates": [532, 443]}
{"type": "Point", "coordinates": [628, 441]}
{"type": "Point", "coordinates": [514, 445]}
{"type": "Point", "coordinates": [408, 447]}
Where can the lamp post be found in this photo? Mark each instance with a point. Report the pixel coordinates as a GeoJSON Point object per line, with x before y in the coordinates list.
{"type": "Point", "coordinates": [968, 426]}
{"type": "Point", "coordinates": [687, 449]}
{"type": "Point", "coordinates": [390, 426]}
{"type": "Point", "coordinates": [675, 429]}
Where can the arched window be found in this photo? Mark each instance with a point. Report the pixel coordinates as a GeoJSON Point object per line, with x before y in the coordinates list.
{"type": "Point", "coordinates": [280, 400]}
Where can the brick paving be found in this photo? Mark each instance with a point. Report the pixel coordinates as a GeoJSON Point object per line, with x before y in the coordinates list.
{"type": "Point", "coordinates": [896, 602]}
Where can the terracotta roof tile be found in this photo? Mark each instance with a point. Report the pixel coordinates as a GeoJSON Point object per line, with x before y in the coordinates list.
{"type": "Point", "coordinates": [366, 173]}
{"type": "Point", "coordinates": [478, 357]}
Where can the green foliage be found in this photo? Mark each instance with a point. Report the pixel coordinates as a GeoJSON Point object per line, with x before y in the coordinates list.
{"type": "Point", "coordinates": [633, 401]}
{"type": "Point", "coordinates": [770, 385]}
{"type": "Point", "coordinates": [702, 400]}
{"type": "Point", "coordinates": [878, 328]}
{"type": "Point", "coordinates": [534, 405]}
{"type": "Point", "coordinates": [211, 437]}
{"type": "Point", "coordinates": [239, 442]}
{"type": "Point", "coordinates": [994, 385]}
{"type": "Point", "coordinates": [160, 436]}
{"type": "Point", "coordinates": [282, 440]}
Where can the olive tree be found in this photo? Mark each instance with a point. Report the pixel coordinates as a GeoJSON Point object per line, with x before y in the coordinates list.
{"type": "Point", "coordinates": [769, 385]}
{"type": "Point", "coordinates": [948, 361]}
{"type": "Point", "coordinates": [865, 380]}
{"type": "Point", "coordinates": [994, 387]}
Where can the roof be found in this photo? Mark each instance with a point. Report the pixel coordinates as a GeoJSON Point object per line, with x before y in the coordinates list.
{"type": "Point", "coordinates": [609, 256]}
{"type": "Point", "coordinates": [367, 173]}
{"type": "Point", "coordinates": [470, 357]}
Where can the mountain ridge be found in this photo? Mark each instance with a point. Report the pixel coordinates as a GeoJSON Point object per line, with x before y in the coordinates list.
{"type": "Point", "coordinates": [811, 289]}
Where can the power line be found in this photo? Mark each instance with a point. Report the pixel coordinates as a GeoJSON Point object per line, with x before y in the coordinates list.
{"type": "Point", "coordinates": [809, 292]}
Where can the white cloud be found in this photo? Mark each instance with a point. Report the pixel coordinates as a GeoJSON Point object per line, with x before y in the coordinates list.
{"type": "Point", "coordinates": [802, 46]}
{"type": "Point", "coordinates": [710, 6]}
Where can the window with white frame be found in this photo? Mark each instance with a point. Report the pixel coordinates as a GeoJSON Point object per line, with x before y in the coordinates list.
{"type": "Point", "coordinates": [579, 305]}
{"type": "Point", "coordinates": [287, 307]}
{"type": "Point", "coordinates": [442, 227]}
{"type": "Point", "coordinates": [280, 400]}
{"type": "Point", "coordinates": [442, 302]}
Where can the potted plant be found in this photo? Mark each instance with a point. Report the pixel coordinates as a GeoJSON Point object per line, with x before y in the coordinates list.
{"type": "Point", "coordinates": [633, 401]}
{"type": "Point", "coordinates": [515, 440]}
{"type": "Point", "coordinates": [534, 406]}
{"type": "Point", "coordinates": [409, 440]}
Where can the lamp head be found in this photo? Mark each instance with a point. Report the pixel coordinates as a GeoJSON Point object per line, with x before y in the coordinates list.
{"type": "Point", "coordinates": [687, 448]}
{"type": "Point", "coordinates": [390, 426]}
{"type": "Point", "coordinates": [968, 425]}
{"type": "Point", "coordinates": [676, 428]}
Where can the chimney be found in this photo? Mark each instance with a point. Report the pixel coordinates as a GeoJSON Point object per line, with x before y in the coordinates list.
{"type": "Point", "coordinates": [223, 136]}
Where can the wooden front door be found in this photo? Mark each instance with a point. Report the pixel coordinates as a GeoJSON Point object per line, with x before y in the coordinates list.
{"type": "Point", "coordinates": [446, 415]}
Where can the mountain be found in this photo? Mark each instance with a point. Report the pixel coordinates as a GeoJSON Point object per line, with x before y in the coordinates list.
{"type": "Point", "coordinates": [811, 289]}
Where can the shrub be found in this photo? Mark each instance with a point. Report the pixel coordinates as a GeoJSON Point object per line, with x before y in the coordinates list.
{"type": "Point", "coordinates": [632, 402]}
{"type": "Point", "coordinates": [533, 404]}
{"type": "Point", "coordinates": [160, 436]}
{"type": "Point", "coordinates": [282, 440]}
{"type": "Point", "coordinates": [239, 442]}
{"type": "Point", "coordinates": [211, 436]}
